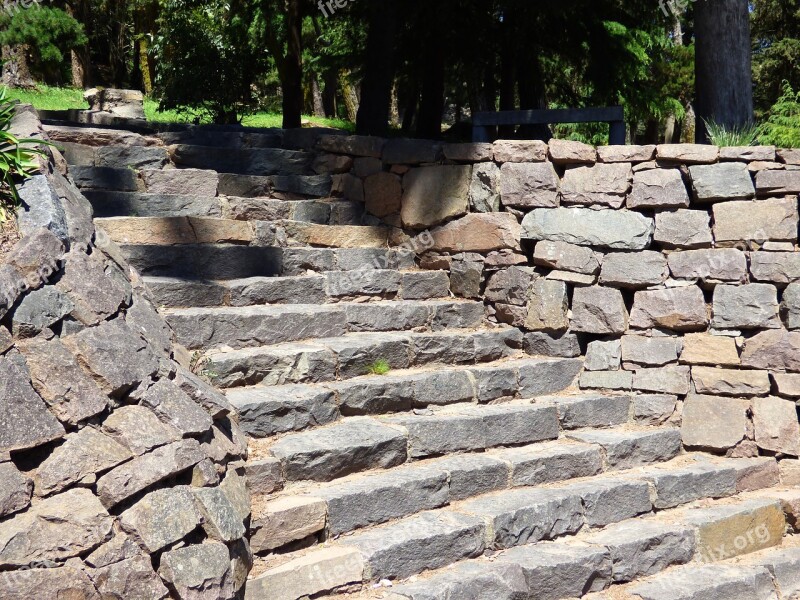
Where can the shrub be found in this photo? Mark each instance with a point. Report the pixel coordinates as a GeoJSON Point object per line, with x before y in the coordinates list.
{"type": "Point", "coordinates": [16, 159]}
{"type": "Point", "coordinates": [782, 127]}
{"type": "Point", "coordinates": [49, 34]}
{"type": "Point", "coordinates": [379, 367]}
{"type": "Point", "coordinates": [720, 135]}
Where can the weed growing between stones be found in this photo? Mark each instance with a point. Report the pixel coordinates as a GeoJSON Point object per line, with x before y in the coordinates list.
{"type": "Point", "coordinates": [379, 367]}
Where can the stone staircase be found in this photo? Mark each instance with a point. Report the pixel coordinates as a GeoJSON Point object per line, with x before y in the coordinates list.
{"type": "Point", "coordinates": [474, 468]}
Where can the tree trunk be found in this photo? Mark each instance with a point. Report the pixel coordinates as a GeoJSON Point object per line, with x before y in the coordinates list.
{"type": "Point", "coordinates": [431, 104]}
{"type": "Point", "coordinates": [331, 80]}
{"type": "Point", "coordinates": [350, 96]}
{"type": "Point", "coordinates": [723, 64]}
{"type": "Point", "coordinates": [16, 73]}
{"type": "Point", "coordinates": [292, 75]}
{"type": "Point", "coordinates": [394, 111]}
{"type": "Point", "coordinates": [376, 87]}
{"type": "Point", "coordinates": [507, 72]}
{"type": "Point", "coordinates": [316, 97]}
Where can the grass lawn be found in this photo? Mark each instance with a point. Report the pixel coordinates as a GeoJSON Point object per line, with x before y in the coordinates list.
{"type": "Point", "coordinates": [53, 98]}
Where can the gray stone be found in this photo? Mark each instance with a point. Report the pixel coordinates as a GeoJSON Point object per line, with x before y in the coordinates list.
{"type": "Point", "coordinates": [631, 449]}
{"type": "Point", "coordinates": [86, 452]}
{"type": "Point", "coordinates": [214, 403]}
{"type": "Point", "coordinates": [39, 309]}
{"type": "Point", "coordinates": [730, 382]}
{"type": "Point", "coordinates": [198, 572]}
{"type": "Point", "coordinates": [265, 411]}
{"type": "Point", "coordinates": [598, 184]}
{"type": "Point", "coordinates": [747, 153]}
{"type": "Point", "coordinates": [598, 310]}
{"type": "Point", "coordinates": [547, 306]}
{"type": "Point", "coordinates": [540, 377]}
{"type": "Point", "coordinates": [520, 151]}
{"type": "Point", "coordinates": [326, 454]}
{"type": "Point", "coordinates": [93, 293]}
{"type": "Point", "coordinates": [130, 157]}
{"type": "Point", "coordinates": [357, 145]}
{"type": "Point", "coordinates": [67, 389]}
{"type": "Point", "coordinates": [474, 474]}
{"type": "Point", "coordinates": [286, 519]}
{"type": "Point", "coordinates": [753, 306]}
{"type": "Point", "coordinates": [374, 395]}
{"type": "Point", "coordinates": [790, 306]}
{"type": "Point", "coordinates": [142, 472]}
{"type": "Point", "coordinates": [776, 425]}
{"type": "Point", "coordinates": [410, 151]}
{"type": "Point", "coordinates": [383, 497]}
{"type": "Point", "coordinates": [603, 356]}
{"type": "Point", "coordinates": [162, 518]}
{"type": "Point", "coordinates": [777, 267]}
{"type": "Point", "coordinates": [734, 582]}
{"type": "Point", "coordinates": [494, 383]}
{"type": "Point", "coordinates": [138, 429]}
{"type": "Point", "coordinates": [545, 344]}
{"type": "Point", "coordinates": [466, 276]}
{"type": "Point", "coordinates": [143, 318]}
{"type": "Point", "coordinates": [783, 565]}
{"type": "Point", "coordinates": [722, 181]}
{"type": "Point", "coordinates": [264, 476]}
{"type": "Point", "coordinates": [773, 219]}
{"type": "Point", "coordinates": [182, 182]}
{"type": "Point", "coordinates": [42, 208]}
{"type": "Point", "coordinates": [566, 257]}
{"type": "Point", "coordinates": [55, 529]}
{"type": "Point", "coordinates": [176, 408]}
{"type": "Point", "coordinates": [484, 190]}
{"type": "Point", "coordinates": [510, 286]}
{"type": "Point", "coordinates": [569, 151]}
{"type": "Point", "coordinates": [469, 580]}
{"type": "Point", "coordinates": [527, 515]}
{"type": "Point", "coordinates": [276, 290]}
{"type": "Point", "coordinates": [774, 182]}
{"type": "Point", "coordinates": [15, 490]}
{"type": "Point", "coordinates": [664, 380]}
{"type": "Point", "coordinates": [659, 189]}
{"type": "Point", "coordinates": [478, 232]}
{"type": "Point", "coordinates": [576, 412]}
{"type": "Point", "coordinates": [26, 422]}
{"type": "Point", "coordinates": [426, 541]}
{"type": "Point", "coordinates": [709, 349]}
{"type": "Point", "coordinates": [645, 547]}
{"type": "Point", "coordinates": [469, 152]}
{"type": "Point", "coordinates": [424, 285]}
{"type": "Point", "coordinates": [129, 578]}
{"type": "Point", "coordinates": [104, 178]}
{"type": "Point", "coordinates": [613, 229]}
{"type": "Point", "coordinates": [526, 185]}
{"type": "Point", "coordinates": [626, 153]}
{"type": "Point", "coordinates": [551, 461]}
{"type": "Point", "coordinates": [99, 349]}
{"type": "Point", "coordinates": [633, 270]}
{"type": "Point", "coordinates": [677, 309]}
{"type": "Point", "coordinates": [220, 519]}
{"type": "Point", "coordinates": [676, 486]}
{"type": "Point", "coordinates": [442, 387]}
{"type": "Point", "coordinates": [650, 351]}
{"type": "Point", "coordinates": [606, 380]}
{"type": "Point", "coordinates": [383, 193]}
{"type": "Point", "coordinates": [687, 153]}
{"type": "Point", "coordinates": [683, 229]}
{"type": "Point", "coordinates": [607, 501]}
{"type": "Point", "coordinates": [709, 265]}
{"type": "Point", "coordinates": [66, 582]}
{"type": "Point", "coordinates": [775, 350]}
{"type": "Point", "coordinates": [555, 571]}
{"type": "Point", "coordinates": [432, 195]}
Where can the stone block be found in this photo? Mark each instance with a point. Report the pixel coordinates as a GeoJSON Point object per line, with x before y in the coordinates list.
{"type": "Point", "coordinates": [545, 344]}
{"type": "Point", "coordinates": [664, 380]}
{"type": "Point", "coordinates": [568, 152]}
{"type": "Point", "coordinates": [607, 500]}
{"type": "Point", "coordinates": [527, 185]}
{"type": "Point", "coordinates": [681, 485]}
{"type": "Point", "coordinates": [181, 182]}
{"type": "Point", "coordinates": [709, 265]}
{"type": "Point", "coordinates": [599, 184]}
{"type": "Point", "coordinates": [778, 182]}
{"type": "Point", "coordinates": [633, 270]}
{"type": "Point", "coordinates": [540, 377]}
{"type": "Point", "coordinates": [491, 580]}
{"type": "Point", "coordinates": [484, 189]}
{"type": "Point", "coordinates": [773, 219]}
{"type": "Point", "coordinates": [576, 412]}
{"type": "Point", "coordinates": [612, 229]}
{"type": "Point", "coordinates": [730, 382]}
{"type": "Point", "coordinates": [708, 349]}
{"type": "Point", "coordinates": [606, 380]}
{"type": "Point", "coordinates": [683, 229]}
{"type": "Point", "coordinates": [650, 351]}
{"type": "Point", "coordinates": [264, 476]}
{"type": "Point", "coordinates": [631, 449]}
{"type": "Point", "coordinates": [282, 520]}
{"type": "Point", "coordinates": [654, 409]}
{"type": "Point", "coordinates": [722, 181]}
{"type": "Point", "coordinates": [474, 474]}
{"type": "Point", "coordinates": [598, 310]}
{"type": "Point", "coordinates": [658, 189]}
{"type": "Point", "coordinates": [197, 571]}
{"type": "Point", "coordinates": [687, 153]}
{"type": "Point", "coordinates": [677, 309]}
{"type": "Point", "coordinates": [510, 286]}
{"type": "Point", "coordinates": [477, 233]}
{"type": "Point", "coordinates": [775, 267]}
{"type": "Point", "coordinates": [15, 490]}
{"type": "Point", "coordinates": [383, 193]}
{"type": "Point", "coordinates": [775, 350]}
{"type": "Point", "coordinates": [776, 425]}
{"type": "Point", "coordinates": [603, 356]}
{"type": "Point", "coordinates": [612, 154]}
{"type": "Point", "coordinates": [547, 306]}
{"type": "Point", "coordinates": [752, 306]}
{"type": "Point", "coordinates": [432, 195]}
{"type": "Point", "coordinates": [519, 151]}
{"type": "Point", "coordinates": [551, 461]}
{"type": "Point", "coordinates": [566, 257]}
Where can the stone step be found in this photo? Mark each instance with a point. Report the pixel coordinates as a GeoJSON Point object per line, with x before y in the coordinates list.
{"type": "Point", "coordinates": [350, 356]}
{"type": "Point", "coordinates": [365, 500]}
{"type": "Point", "coordinates": [205, 261]}
{"type": "Point", "coordinates": [209, 262]}
{"type": "Point", "coordinates": [173, 231]}
{"type": "Point", "coordinates": [269, 410]}
{"type": "Point", "coordinates": [330, 211]}
{"type": "Point", "coordinates": [332, 286]}
{"type": "Point", "coordinates": [198, 136]}
{"type": "Point", "coordinates": [136, 204]}
{"type": "Point", "coordinates": [176, 182]}
{"type": "Point", "coordinates": [326, 453]}
{"type": "Point", "coordinates": [244, 161]}
{"type": "Point", "coordinates": [529, 527]}
{"type": "Point", "coordinates": [116, 156]}
{"type": "Point", "coordinates": [251, 326]}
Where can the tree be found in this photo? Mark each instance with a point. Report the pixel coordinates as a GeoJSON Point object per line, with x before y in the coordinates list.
{"type": "Point", "coordinates": [723, 72]}
{"type": "Point", "coordinates": [776, 49]}
{"type": "Point", "coordinates": [379, 70]}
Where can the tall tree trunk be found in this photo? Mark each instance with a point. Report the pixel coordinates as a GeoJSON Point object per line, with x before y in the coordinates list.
{"type": "Point", "coordinates": [379, 61]}
{"type": "Point", "coordinates": [16, 73]}
{"type": "Point", "coordinates": [723, 64]}
{"type": "Point", "coordinates": [394, 111]}
{"type": "Point", "coordinates": [292, 72]}
{"type": "Point", "coordinates": [316, 97]}
{"type": "Point", "coordinates": [331, 81]}
{"type": "Point", "coordinates": [532, 95]}
{"type": "Point", "coordinates": [431, 104]}
{"type": "Point", "coordinates": [412, 103]}
{"type": "Point", "coordinates": [350, 96]}
{"type": "Point", "coordinates": [508, 70]}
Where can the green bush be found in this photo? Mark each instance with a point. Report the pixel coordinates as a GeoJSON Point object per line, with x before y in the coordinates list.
{"type": "Point", "coordinates": [782, 127]}
{"type": "Point", "coordinates": [17, 159]}
{"type": "Point", "coordinates": [49, 33]}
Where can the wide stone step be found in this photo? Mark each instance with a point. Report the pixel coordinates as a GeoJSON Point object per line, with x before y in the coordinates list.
{"type": "Point", "coordinates": [268, 410]}
{"type": "Point", "coordinates": [174, 231]}
{"type": "Point", "coordinates": [332, 286]}
{"type": "Point", "coordinates": [529, 526]}
{"type": "Point", "coordinates": [136, 204]}
{"type": "Point", "coordinates": [243, 327]}
{"type": "Point", "coordinates": [330, 211]}
{"type": "Point", "coordinates": [205, 261]}
{"type": "Point", "coordinates": [352, 355]}
{"type": "Point", "coordinates": [244, 161]}
{"type": "Point", "coordinates": [365, 500]}
{"type": "Point", "coordinates": [199, 136]}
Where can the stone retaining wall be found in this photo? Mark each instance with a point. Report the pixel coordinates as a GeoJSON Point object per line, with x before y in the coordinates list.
{"type": "Point", "coordinates": [674, 270]}
{"type": "Point", "coordinates": [121, 473]}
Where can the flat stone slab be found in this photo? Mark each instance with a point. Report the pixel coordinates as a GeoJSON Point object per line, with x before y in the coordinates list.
{"type": "Point", "coordinates": [613, 229]}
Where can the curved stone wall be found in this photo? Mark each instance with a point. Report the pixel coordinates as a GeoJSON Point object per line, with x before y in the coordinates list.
{"type": "Point", "coordinates": [121, 473]}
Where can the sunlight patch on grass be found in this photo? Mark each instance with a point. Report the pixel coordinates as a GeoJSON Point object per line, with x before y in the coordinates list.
{"type": "Point", "coordinates": [45, 97]}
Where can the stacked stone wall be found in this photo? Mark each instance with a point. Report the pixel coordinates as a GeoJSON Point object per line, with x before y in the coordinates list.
{"type": "Point", "coordinates": [673, 270]}
{"type": "Point", "coordinates": [121, 472]}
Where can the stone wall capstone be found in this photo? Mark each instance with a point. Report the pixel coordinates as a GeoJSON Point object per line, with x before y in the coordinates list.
{"type": "Point", "coordinates": [121, 471]}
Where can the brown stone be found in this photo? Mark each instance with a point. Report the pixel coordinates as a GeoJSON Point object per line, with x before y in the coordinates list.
{"type": "Point", "coordinates": [520, 151]}
{"type": "Point", "coordinates": [678, 309]}
{"type": "Point", "coordinates": [687, 153]}
{"type": "Point", "coordinates": [383, 194]}
{"type": "Point", "coordinates": [775, 350]}
{"type": "Point", "coordinates": [478, 233]}
{"type": "Point", "coordinates": [432, 195]}
{"type": "Point", "coordinates": [568, 151]}
{"type": "Point", "coordinates": [707, 349]}
{"type": "Point", "coordinates": [730, 382]}
{"type": "Point", "coordinates": [776, 425]}
{"type": "Point", "coordinates": [714, 423]}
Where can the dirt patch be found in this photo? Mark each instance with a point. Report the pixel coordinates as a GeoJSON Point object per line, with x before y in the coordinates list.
{"type": "Point", "coordinates": [9, 236]}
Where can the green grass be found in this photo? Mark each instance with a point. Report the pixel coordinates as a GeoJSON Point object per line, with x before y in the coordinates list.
{"type": "Point", "coordinates": [719, 135]}
{"type": "Point", "coordinates": [379, 367]}
{"type": "Point", "coordinates": [50, 98]}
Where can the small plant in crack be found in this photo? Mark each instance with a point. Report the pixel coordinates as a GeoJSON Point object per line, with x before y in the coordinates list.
{"type": "Point", "coordinates": [379, 367]}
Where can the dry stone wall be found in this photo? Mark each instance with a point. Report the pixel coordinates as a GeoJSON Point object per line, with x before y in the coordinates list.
{"type": "Point", "coordinates": [121, 472]}
{"type": "Point", "coordinates": [673, 270]}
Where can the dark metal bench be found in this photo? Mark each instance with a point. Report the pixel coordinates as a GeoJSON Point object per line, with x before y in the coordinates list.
{"type": "Point", "coordinates": [613, 115]}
